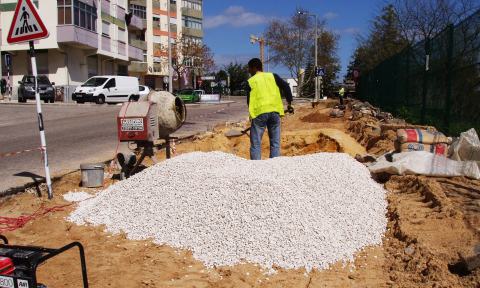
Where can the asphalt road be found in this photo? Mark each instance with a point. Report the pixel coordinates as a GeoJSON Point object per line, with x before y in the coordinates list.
{"type": "Point", "coordinates": [80, 134]}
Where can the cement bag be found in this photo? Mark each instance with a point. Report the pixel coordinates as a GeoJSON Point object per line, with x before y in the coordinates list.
{"type": "Point", "coordinates": [439, 148]}
{"type": "Point", "coordinates": [425, 163]}
{"type": "Point", "coordinates": [467, 147]}
{"type": "Point", "coordinates": [422, 136]}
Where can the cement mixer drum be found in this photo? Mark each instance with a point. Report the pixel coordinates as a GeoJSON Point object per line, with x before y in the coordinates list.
{"type": "Point", "coordinates": [171, 112]}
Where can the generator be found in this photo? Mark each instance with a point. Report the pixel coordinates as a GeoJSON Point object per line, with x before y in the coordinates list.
{"type": "Point", "coordinates": [18, 264]}
{"type": "Point", "coordinates": [147, 125]}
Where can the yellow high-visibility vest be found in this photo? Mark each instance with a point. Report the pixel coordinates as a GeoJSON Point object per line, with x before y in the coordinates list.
{"type": "Point", "coordinates": [265, 95]}
{"type": "Point", "coordinates": [341, 92]}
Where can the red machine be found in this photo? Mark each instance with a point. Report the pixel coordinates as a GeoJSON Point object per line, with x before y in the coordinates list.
{"type": "Point", "coordinates": [138, 122]}
{"type": "Point", "coordinates": [148, 125]}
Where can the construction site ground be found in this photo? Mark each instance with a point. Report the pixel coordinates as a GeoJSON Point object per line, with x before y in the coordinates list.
{"type": "Point", "coordinates": [432, 224]}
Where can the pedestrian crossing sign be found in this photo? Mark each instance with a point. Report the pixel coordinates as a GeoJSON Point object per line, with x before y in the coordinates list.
{"type": "Point", "coordinates": [26, 24]}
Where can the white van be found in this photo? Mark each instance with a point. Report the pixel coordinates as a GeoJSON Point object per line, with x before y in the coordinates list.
{"type": "Point", "coordinates": [107, 89]}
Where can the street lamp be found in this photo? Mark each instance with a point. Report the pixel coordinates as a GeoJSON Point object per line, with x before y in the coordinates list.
{"type": "Point", "coordinates": [306, 13]}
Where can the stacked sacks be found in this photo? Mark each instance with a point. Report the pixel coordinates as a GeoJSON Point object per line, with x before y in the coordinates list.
{"type": "Point", "coordinates": [423, 140]}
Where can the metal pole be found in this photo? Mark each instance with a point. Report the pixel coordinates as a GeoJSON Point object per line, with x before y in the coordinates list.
{"type": "Point", "coordinates": [9, 86]}
{"type": "Point", "coordinates": [268, 58]}
{"type": "Point", "coordinates": [43, 142]}
{"type": "Point", "coordinates": [316, 57]}
{"type": "Point", "coordinates": [170, 78]}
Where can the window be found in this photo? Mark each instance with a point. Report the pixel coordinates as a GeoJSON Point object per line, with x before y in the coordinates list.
{"type": "Point", "coordinates": [64, 8]}
{"type": "Point", "coordinates": [111, 83]}
{"type": "Point", "coordinates": [105, 28]}
{"type": "Point", "coordinates": [194, 40]}
{"type": "Point", "coordinates": [139, 11]}
{"type": "Point", "coordinates": [192, 22]}
{"type": "Point", "coordinates": [192, 4]}
{"type": "Point", "coordinates": [84, 15]}
{"type": "Point", "coordinates": [121, 35]}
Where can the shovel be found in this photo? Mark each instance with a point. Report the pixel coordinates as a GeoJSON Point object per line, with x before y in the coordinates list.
{"type": "Point", "coordinates": [236, 133]}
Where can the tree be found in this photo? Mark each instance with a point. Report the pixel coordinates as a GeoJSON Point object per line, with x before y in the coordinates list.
{"type": "Point", "coordinates": [384, 40]}
{"type": "Point", "coordinates": [190, 56]}
{"type": "Point", "coordinates": [328, 59]}
{"type": "Point", "coordinates": [238, 76]}
{"type": "Point", "coordinates": [423, 19]}
{"type": "Point", "coordinates": [290, 44]}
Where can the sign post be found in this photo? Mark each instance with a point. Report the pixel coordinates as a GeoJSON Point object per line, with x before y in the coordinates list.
{"type": "Point", "coordinates": [8, 63]}
{"type": "Point", "coordinates": [26, 27]}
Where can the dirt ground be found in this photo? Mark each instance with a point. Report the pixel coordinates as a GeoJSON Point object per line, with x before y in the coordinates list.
{"type": "Point", "coordinates": [433, 222]}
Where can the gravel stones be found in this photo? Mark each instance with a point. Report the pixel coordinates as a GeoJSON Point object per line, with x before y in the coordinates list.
{"type": "Point", "coordinates": [292, 212]}
{"type": "Point", "coordinates": [76, 196]}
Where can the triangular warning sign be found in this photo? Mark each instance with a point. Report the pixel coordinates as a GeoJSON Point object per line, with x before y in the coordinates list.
{"type": "Point", "coordinates": [26, 24]}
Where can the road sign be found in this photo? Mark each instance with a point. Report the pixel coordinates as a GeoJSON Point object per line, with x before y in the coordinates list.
{"type": "Point", "coordinates": [208, 78]}
{"type": "Point", "coordinates": [8, 60]}
{"type": "Point", "coordinates": [319, 72]}
{"type": "Point", "coordinates": [26, 24]}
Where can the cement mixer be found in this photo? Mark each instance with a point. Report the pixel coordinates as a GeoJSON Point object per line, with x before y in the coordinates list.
{"type": "Point", "coordinates": [147, 125]}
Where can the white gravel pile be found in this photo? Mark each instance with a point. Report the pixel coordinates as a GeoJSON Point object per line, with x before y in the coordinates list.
{"type": "Point", "coordinates": [308, 211]}
{"type": "Point", "coordinates": [77, 196]}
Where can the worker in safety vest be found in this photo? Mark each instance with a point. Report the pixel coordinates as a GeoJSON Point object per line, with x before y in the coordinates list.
{"type": "Point", "coordinates": [265, 91]}
{"type": "Point", "coordinates": [341, 93]}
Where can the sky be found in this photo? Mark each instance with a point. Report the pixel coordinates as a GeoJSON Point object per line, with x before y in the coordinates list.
{"type": "Point", "coordinates": [228, 24]}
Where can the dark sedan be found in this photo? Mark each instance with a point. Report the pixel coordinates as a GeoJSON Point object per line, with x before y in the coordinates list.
{"type": "Point", "coordinates": [26, 90]}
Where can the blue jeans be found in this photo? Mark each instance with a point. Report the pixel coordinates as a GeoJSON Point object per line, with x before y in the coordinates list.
{"type": "Point", "coordinates": [272, 122]}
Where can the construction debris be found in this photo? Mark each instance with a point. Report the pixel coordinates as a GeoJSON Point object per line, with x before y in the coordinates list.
{"type": "Point", "coordinates": [290, 212]}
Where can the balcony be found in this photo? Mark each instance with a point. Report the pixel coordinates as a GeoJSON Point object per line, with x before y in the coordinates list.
{"type": "Point", "coordinates": [135, 54]}
{"type": "Point", "coordinates": [192, 32]}
{"type": "Point", "coordinates": [192, 13]}
{"type": "Point", "coordinates": [139, 2]}
{"type": "Point", "coordinates": [138, 67]}
{"type": "Point", "coordinates": [137, 23]}
{"type": "Point", "coordinates": [78, 36]}
{"type": "Point", "coordinates": [140, 44]}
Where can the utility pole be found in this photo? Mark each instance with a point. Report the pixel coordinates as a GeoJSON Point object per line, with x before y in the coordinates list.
{"type": "Point", "coordinates": [261, 41]}
{"type": "Point", "coordinates": [316, 99]}
{"type": "Point", "coordinates": [170, 77]}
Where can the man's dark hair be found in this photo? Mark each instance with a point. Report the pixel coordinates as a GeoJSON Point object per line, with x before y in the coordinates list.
{"type": "Point", "coordinates": [256, 63]}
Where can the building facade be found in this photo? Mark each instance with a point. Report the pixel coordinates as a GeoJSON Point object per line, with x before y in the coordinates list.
{"type": "Point", "coordinates": [185, 19]}
{"type": "Point", "coordinates": [87, 38]}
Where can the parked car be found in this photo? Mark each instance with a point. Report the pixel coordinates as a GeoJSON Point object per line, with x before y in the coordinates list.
{"type": "Point", "coordinates": [26, 90]}
{"type": "Point", "coordinates": [144, 91]}
{"type": "Point", "coordinates": [107, 89]}
{"type": "Point", "coordinates": [188, 95]}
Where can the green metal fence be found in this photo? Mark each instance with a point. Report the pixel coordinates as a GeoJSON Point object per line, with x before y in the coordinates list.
{"type": "Point", "coordinates": [435, 82]}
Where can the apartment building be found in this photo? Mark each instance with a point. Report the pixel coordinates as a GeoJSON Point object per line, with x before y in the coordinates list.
{"type": "Point", "coordinates": [185, 19]}
{"type": "Point", "coordinates": [87, 38]}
